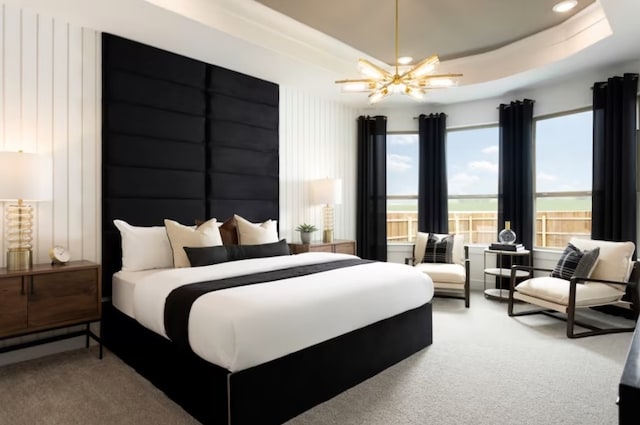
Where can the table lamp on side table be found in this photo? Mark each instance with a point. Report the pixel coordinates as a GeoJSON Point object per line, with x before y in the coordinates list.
{"type": "Point", "coordinates": [327, 192]}
{"type": "Point", "coordinates": [23, 176]}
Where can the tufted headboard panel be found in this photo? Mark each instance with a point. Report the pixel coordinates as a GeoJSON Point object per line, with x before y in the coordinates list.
{"type": "Point", "coordinates": [182, 139]}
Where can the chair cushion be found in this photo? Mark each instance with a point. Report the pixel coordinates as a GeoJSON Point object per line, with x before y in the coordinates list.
{"type": "Point", "coordinates": [442, 272]}
{"type": "Point", "coordinates": [614, 259]}
{"type": "Point", "coordinates": [557, 291]}
{"type": "Point", "coordinates": [457, 252]}
{"type": "Point", "coordinates": [575, 262]}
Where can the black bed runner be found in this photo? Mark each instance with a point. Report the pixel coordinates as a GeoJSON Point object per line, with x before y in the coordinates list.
{"type": "Point", "coordinates": [178, 303]}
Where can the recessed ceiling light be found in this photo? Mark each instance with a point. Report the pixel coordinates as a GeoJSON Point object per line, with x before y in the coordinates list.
{"type": "Point", "coordinates": [405, 60]}
{"type": "Point", "coordinates": [565, 6]}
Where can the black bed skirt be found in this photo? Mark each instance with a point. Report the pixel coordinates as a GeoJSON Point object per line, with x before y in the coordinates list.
{"type": "Point", "coordinates": [275, 391]}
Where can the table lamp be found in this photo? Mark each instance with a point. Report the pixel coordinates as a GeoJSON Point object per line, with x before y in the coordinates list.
{"type": "Point", "coordinates": [327, 192]}
{"type": "Point", "coordinates": [23, 177]}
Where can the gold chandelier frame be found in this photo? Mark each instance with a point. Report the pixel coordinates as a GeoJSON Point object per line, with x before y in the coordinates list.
{"type": "Point", "coordinates": [414, 82]}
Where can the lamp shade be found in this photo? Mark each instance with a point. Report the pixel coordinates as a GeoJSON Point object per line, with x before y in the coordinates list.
{"type": "Point", "coordinates": [25, 176]}
{"type": "Point", "coordinates": [326, 191]}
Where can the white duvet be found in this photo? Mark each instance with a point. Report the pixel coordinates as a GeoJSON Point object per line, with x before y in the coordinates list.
{"type": "Point", "coordinates": [238, 328]}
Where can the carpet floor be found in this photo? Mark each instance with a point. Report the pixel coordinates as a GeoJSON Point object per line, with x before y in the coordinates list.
{"type": "Point", "coordinates": [483, 368]}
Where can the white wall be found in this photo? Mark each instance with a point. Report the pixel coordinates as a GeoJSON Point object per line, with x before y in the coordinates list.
{"type": "Point", "coordinates": [49, 98]}
{"type": "Point", "coordinates": [317, 140]}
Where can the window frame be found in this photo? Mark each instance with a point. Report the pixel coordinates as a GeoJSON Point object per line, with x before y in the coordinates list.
{"type": "Point", "coordinates": [564, 194]}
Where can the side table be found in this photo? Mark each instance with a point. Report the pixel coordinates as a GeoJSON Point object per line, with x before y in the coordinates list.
{"type": "Point", "coordinates": [503, 294]}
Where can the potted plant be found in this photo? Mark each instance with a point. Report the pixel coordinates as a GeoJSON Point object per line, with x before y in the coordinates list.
{"type": "Point", "coordinates": [305, 232]}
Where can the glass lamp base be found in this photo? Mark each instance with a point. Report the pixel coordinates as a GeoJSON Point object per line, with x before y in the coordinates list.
{"type": "Point", "coordinates": [19, 260]}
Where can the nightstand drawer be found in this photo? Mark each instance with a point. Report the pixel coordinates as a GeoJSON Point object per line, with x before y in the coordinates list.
{"type": "Point", "coordinates": [337, 246]}
{"type": "Point", "coordinates": [63, 297]}
{"type": "Point", "coordinates": [346, 248]}
{"type": "Point", "coordinates": [13, 305]}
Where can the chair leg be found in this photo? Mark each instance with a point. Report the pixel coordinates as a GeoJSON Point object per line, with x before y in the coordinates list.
{"type": "Point", "coordinates": [466, 293]}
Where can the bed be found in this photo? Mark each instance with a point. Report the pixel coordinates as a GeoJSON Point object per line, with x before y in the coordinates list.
{"type": "Point", "coordinates": [264, 353]}
{"type": "Point", "coordinates": [187, 140]}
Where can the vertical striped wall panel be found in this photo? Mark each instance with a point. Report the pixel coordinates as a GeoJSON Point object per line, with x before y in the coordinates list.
{"type": "Point", "coordinates": [49, 103]}
{"type": "Point", "coordinates": [317, 140]}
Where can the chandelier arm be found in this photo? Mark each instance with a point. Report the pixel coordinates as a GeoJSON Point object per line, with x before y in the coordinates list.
{"type": "Point", "coordinates": [363, 80]}
{"type": "Point", "coordinates": [429, 77]}
{"type": "Point", "coordinates": [397, 54]}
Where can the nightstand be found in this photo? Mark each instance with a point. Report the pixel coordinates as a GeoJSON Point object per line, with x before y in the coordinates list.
{"type": "Point", "coordinates": [342, 246]}
{"type": "Point", "coordinates": [48, 297]}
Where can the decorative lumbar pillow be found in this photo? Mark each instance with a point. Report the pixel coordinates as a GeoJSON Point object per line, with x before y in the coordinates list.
{"type": "Point", "coordinates": [218, 254]}
{"type": "Point", "coordinates": [207, 255]}
{"type": "Point", "coordinates": [144, 248]}
{"type": "Point", "coordinates": [207, 234]}
{"type": "Point", "coordinates": [256, 233]}
{"type": "Point", "coordinates": [575, 262]}
{"type": "Point", "coordinates": [438, 249]}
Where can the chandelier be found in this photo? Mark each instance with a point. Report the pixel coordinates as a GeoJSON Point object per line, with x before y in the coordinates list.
{"type": "Point", "coordinates": [412, 82]}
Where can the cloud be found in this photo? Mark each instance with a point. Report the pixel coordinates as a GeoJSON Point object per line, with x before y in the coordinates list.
{"type": "Point", "coordinates": [491, 149]}
{"type": "Point", "coordinates": [491, 167]}
{"type": "Point", "coordinates": [398, 163]}
{"type": "Point", "coordinates": [402, 139]}
{"type": "Point", "coordinates": [547, 177]}
{"type": "Point", "coordinates": [460, 182]}
{"type": "Point", "coordinates": [464, 178]}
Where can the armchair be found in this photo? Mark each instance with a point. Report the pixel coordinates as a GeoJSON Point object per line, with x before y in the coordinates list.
{"type": "Point", "coordinates": [450, 280]}
{"type": "Point", "coordinates": [605, 284]}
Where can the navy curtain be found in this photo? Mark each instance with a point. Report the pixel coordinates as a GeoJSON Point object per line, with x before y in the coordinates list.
{"type": "Point", "coordinates": [432, 187]}
{"type": "Point", "coordinates": [371, 223]}
{"type": "Point", "coordinates": [614, 159]}
{"type": "Point", "coordinates": [515, 183]}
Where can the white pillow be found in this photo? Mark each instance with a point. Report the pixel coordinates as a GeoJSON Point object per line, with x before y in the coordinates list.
{"type": "Point", "coordinates": [207, 234]}
{"type": "Point", "coordinates": [256, 233]}
{"type": "Point", "coordinates": [144, 248]}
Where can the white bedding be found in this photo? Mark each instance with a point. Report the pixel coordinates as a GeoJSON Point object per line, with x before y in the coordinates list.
{"type": "Point", "coordinates": [241, 327]}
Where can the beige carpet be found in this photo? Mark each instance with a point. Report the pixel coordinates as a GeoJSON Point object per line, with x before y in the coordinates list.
{"type": "Point", "coordinates": [483, 368]}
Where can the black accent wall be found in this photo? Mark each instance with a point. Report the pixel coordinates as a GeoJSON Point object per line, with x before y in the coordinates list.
{"type": "Point", "coordinates": [182, 139]}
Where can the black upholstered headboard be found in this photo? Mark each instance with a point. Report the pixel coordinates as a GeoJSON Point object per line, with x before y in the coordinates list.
{"type": "Point", "coordinates": [182, 139]}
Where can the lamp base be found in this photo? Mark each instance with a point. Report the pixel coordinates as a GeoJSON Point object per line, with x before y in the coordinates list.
{"type": "Point", "coordinates": [19, 260]}
{"type": "Point", "coordinates": [327, 236]}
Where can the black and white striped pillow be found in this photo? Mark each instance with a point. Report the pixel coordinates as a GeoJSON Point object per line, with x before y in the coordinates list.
{"type": "Point", "coordinates": [575, 262]}
{"type": "Point", "coordinates": [438, 249]}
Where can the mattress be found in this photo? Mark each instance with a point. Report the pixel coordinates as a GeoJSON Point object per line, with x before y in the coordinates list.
{"type": "Point", "coordinates": [245, 326]}
{"type": "Point", "coordinates": [124, 283]}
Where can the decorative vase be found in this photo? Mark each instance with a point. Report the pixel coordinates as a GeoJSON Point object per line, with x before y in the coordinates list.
{"type": "Point", "coordinates": [305, 237]}
{"type": "Point", "coordinates": [507, 235]}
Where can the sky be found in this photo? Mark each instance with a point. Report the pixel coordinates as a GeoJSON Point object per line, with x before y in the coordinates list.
{"type": "Point", "coordinates": [563, 158]}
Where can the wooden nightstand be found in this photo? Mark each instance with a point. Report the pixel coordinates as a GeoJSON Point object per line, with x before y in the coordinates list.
{"type": "Point", "coordinates": [49, 297]}
{"type": "Point", "coordinates": [339, 246]}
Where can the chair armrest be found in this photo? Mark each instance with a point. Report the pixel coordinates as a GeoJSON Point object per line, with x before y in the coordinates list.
{"type": "Point", "coordinates": [589, 279]}
{"type": "Point", "coordinates": [410, 261]}
{"type": "Point", "coordinates": [529, 268]}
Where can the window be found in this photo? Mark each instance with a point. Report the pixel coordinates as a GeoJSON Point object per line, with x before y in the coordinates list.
{"type": "Point", "coordinates": [564, 156]}
{"type": "Point", "coordinates": [402, 187]}
{"type": "Point", "coordinates": [472, 169]}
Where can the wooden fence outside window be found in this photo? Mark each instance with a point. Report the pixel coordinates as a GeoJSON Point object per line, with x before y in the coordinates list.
{"type": "Point", "coordinates": [553, 228]}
